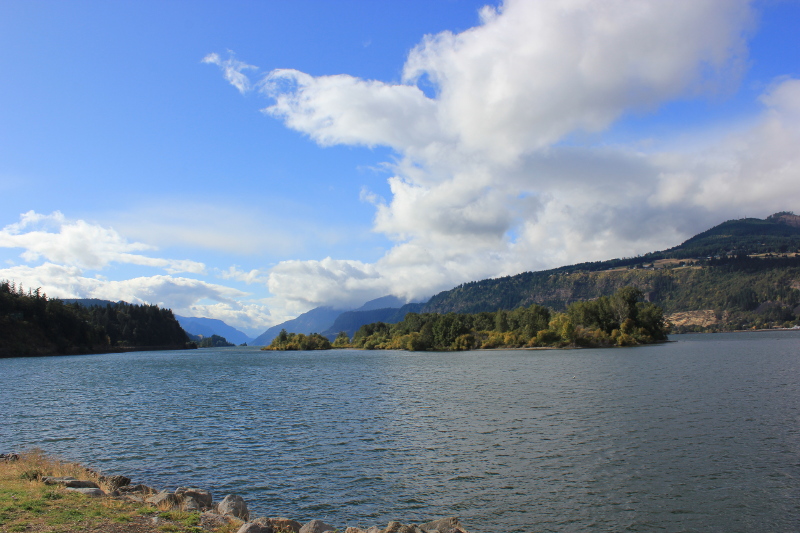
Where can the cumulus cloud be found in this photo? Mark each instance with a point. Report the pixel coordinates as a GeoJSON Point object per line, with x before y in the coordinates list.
{"type": "Point", "coordinates": [485, 184]}
{"type": "Point", "coordinates": [81, 244]}
{"type": "Point", "coordinates": [185, 296]}
{"type": "Point", "coordinates": [489, 178]}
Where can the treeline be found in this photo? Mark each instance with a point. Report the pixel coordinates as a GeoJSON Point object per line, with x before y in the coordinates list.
{"type": "Point", "coordinates": [622, 319]}
{"type": "Point", "coordinates": [33, 324]}
{"type": "Point", "coordinates": [299, 341]}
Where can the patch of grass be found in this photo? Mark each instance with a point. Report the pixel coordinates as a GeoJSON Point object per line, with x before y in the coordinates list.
{"type": "Point", "coordinates": [27, 504]}
{"type": "Point", "coordinates": [186, 518]}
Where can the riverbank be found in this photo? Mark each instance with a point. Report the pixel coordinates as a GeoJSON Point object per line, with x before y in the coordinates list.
{"type": "Point", "coordinates": [42, 494]}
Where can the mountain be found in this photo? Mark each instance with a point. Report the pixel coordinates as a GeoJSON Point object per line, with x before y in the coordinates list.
{"type": "Point", "coordinates": [350, 321]}
{"type": "Point", "coordinates": [322, 319]}
{"type": "Point", "coordinates": [742, 272]}
{"type": "Point", "coordinates": [211, 326]}
{"type": "Point", "coordinates": [384, 302]}
{"type": "Point", "coordinates": [314, 321]}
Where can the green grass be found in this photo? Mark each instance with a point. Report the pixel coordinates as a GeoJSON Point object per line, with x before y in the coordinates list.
{"type": "Point", "coordinates": [28, 504]}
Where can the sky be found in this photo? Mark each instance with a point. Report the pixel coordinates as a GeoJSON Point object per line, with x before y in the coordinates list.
{"type": "Point", "coordinates": [251, 160]}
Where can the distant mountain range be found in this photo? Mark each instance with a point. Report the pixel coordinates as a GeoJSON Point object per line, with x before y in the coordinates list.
{"type": "Point", "coordinates": [211, 326]}
{"type": "Point", "coordinates": [322, 319]}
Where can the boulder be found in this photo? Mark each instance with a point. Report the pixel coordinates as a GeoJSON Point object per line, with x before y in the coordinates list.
{"type": "Point", "coordinates": [70, 482]}
{"type": "Point", "coordinates": [397, 527]}
{"type": "Point", "coordinates": [316, 526]}
{"type": "Point", "coordinates": [114, 482]}
{"type": "Point", "coordinates": [374, 529]}
{"type": "Point", "coordinates": [139, 489]}
{"type": "Point", "coordinates": [233, 505]}
{"type": "Point", "coordinates": [202, 497]}
{"type": "Point", "coordinates": [444, 525]}
{"type": "Point", "coordinates": [209, 520]}
{"type": "Point", "coordinates": [281, 524]}
{"type": "Point", "coordinates": [87, 491]}
{"type": "Point", "coordinates": [189, 504]}
{"type": "Point", "coordinates": [163, 499]}
{"type": "Point", "coordinates": [354, 530]}
{"type": "Point", "coordinates": [255, 527]}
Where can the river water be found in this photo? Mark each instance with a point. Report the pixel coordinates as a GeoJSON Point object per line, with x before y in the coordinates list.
{"type": "Point", "coordinates": [699, 434]}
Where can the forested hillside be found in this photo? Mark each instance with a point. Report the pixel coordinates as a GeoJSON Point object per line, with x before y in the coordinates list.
{"type": "Point", "coordinates": [746, 273]}
{"type": "Point", "coordinates": [33, 324]}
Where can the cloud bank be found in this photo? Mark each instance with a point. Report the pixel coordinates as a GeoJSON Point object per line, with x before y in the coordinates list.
{"type": "Point", "coordinates": [492, 177]}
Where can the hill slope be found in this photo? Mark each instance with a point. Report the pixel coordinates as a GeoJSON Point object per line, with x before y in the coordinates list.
{"type": "Point", "coordinates": [740, 291]}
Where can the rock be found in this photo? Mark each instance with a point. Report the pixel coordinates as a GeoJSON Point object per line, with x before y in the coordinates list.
{"type": "Point", "coordinates": [52, 480]}
{"type": "Point", "coordinates": [114, 482]}
{"type": "Point", "coordinates": [163, 499]}
{"type": "Point", "coordinates": [284, 525]}
{"type": "Point", "coordinates": [374, 529]}
{"type": "Point", "coordinates": [316, 526]}
{"type": "Point", "coordinates": [444, 525]}
{"type": "Point", "coordinates": [397, 527]}
{"type": "Point", "coordinates": [189, 504]}
{"type": "Point", "coordinates": [70, 482]}
{"type": "Point", "coordinates": [88, 491]}
{"type": "Point", "coordinates": [141, 489]}
{"type": "Point", "coordinates": [9, 457]}
{"type": "Point", "coordinates": [202, 497]}
{"type": "Point", "coordinates": [209, 520]}
{"type": "Point", "coordinates": [354, 530]}
{"type": "Point", "coordinates": [255, 527]}
{"type": "Point", "coordinates": [233, 505]}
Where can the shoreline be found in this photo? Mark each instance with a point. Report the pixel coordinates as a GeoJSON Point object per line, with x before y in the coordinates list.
{"type": "Point", "coordinates": [41, 493]}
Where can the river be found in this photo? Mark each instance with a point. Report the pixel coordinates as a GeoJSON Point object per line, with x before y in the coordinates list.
{"type": "Point", "coordinates": [699, 434]}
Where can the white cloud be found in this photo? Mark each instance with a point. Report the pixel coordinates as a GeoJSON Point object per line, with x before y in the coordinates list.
{"type": "Point", "coordinates": [81, 244]}
{"type": "Point", "coordinates": [485, 184]}
{"type": "Point", "coordinates": [232, 70]}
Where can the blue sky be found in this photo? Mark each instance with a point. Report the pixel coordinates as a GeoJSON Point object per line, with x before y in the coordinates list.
{"type": "Point", "coordinates": [367, 148]}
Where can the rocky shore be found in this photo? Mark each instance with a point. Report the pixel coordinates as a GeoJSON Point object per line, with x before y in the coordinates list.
{"type": "Point", "coordinates": [229, 514]}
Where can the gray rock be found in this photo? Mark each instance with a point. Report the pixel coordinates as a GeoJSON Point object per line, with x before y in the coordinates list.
{"type": "Point", "coordinates": [233, 505]}
{"type": "Point", "coordinates": [444, 525]}
{"type": "Point", "coordinates": [374, 529]}
{"type": "Point", "coordinates": [354, 530]}
{"type": "Point", "coordinates": [88, 491]}
{"type": "Point", "coordinates": [255, 527]}
{"type": "Point", "coordinates": [282, 524]}
{"type": "Point", "coordinates": [141, 489]}
{"type": "Point", "coordinates": [189, 504]}
{"type": "Point", "coordinates": [52, 480]}
{"type": "Point", "coordinates": [70, 482]}
{"type": "Point", "coordinates": [209, 520]}
{"type": "Point", "coordinates": [115, 482]}
{"type": "Point", "coordinates": [316, 526]}
{"type": "Point", "coordinates": [163, 499]}
{"type": "Point", "coordinates": [202, 497]}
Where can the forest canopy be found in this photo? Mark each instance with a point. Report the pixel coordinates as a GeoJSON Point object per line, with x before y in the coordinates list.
{"type": "Point", "coordinates": [33, 324]}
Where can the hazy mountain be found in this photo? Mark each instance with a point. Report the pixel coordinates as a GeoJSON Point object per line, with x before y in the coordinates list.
{"type": "Point", "coordinates": [321, 319]}
{"type": "Point", "coordinates": [350, 321]}
{"type": "Point", "coordinates": [314, 321]}
{"type": "Point", "coordinates": [211, 326]}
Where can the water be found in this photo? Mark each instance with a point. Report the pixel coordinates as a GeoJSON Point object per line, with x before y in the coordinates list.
{"type": "Point", "coordinates": [700, 434]}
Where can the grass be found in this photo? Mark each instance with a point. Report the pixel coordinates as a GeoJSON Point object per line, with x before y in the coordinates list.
{"type": "Point", "coordinates": [28, 505]}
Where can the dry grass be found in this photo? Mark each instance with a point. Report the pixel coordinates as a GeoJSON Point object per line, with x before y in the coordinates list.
{"type": "Point", "coordinates": [28, 505]}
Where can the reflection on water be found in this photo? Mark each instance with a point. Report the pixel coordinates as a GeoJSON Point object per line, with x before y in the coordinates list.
{"type": "Point", "coordinates": [697, 434]}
